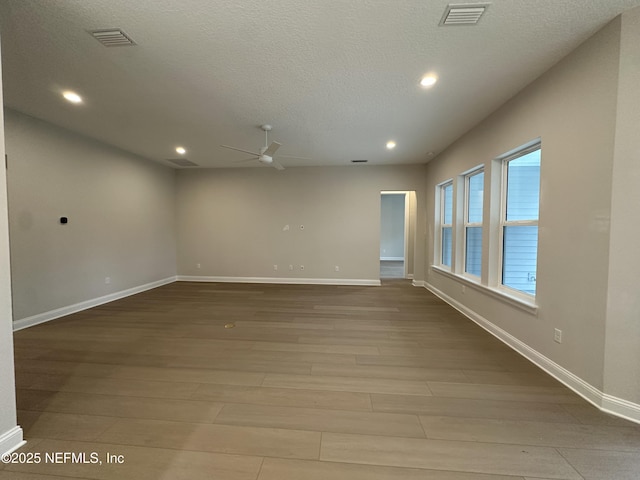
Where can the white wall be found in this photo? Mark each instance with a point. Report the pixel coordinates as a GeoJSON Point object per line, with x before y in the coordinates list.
{"type": "Point", "coordinates": [392, 226]}
{"type": "Point", "coordinates": [230, 221]}
{"type": "Point", "coordinates": [10, 433]}
{"type": "Point", "coordinates": [121, 218]}
{"type": "Point", "coordinates": [572, 108]}
{"type": "Point", "coordinates": [622, 373]}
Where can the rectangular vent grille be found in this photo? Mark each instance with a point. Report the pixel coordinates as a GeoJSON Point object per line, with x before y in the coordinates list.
{"type": "Point", "coordinates": [467, 14]}
{"type": "Point", "coordinates": [113, 37]}
{"type": "Point", "coordinates": [359, 161]}
{"type": "Point", "coordinates": [182, 162]}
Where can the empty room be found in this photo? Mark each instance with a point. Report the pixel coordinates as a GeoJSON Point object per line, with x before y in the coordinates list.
{"type": "Point", "coordinates": [270, 240]}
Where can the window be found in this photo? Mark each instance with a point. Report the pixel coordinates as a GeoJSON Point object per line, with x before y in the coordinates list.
{"type": "Point", "coordinates": [508, 234]}
{"type": "Point", "coordinates": [519, 219]}
{"type": "Point", "coordinates": [474, 192]}
{"type": "Point", "coordinates": [446, 223]}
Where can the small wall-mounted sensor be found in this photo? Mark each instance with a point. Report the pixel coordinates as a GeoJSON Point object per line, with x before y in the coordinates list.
{"type": "Point", "coordinates": [64, 220]}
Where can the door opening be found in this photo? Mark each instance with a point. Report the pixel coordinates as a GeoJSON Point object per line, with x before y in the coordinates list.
{"type": "Point", "coordinates": [397, 228]}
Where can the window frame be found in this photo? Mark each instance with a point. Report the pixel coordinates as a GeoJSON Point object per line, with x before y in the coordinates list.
{"type": "Point", "coordinates": [466, 224]}
{"type": "Point", "coordinates": [503, 222]}
{"type": "Point", "coordinates": [442, 225]}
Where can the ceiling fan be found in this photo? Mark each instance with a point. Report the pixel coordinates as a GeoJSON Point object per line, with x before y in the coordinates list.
{"type": "Point", "coordinates": [266, 153]}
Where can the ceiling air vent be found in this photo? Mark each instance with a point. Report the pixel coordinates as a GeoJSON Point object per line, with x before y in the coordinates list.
{"type": "Point", "coordinates": [182, 162]}
{"type": "Point", "coordinates": [463, 14]}
{"type": "Point", "coordinates": [112, 37]}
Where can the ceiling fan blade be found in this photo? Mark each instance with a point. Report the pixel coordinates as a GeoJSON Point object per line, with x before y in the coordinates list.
{"type": "Point", "coordinates": [240, 150]}
{"type": "Point", "coordinates": [294, 156]}
{"type": "Point", "coordinates": [277, 166]}
{"type": "Point", "coordinates": [272, 149]}
{"type": "Point", "coordinates": [246, 160]}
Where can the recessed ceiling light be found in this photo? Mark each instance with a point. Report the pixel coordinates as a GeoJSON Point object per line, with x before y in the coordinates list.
{"type": "Point", "coordinates": [428, 81]}
{"type": "Point", "coordinates": [181, 150]}
{"type": "Point", "coordinates": [73, 97]}
{"type": "Point", "coordinates": [391, 144]}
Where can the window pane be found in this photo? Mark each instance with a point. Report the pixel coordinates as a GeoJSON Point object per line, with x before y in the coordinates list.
{"type": "Point", "coordinates": [523, 187]}
{"type": "Point", "coordinates": [519, 258]}
{"type": "Point", "coordinates": [447, 204]}
{"type": "Point", "coordinates": [473, 257]}
{"type": "Point", "coordinates": [476, 190]}
{"type": "Point", "coordinates": [446, 246]}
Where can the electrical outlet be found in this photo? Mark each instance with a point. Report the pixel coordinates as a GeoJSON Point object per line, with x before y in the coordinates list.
{"type": "Point", "coordinates": [290, 267]}
{"type": "Point", "coordinates": [198, 266]}
{"type": "Point", "coordinates": [557, 335]}
{"type": "Point", "coordinates": [275, 267]}
{"type": "Point", "coordinates": [107, 280]}
{"type": "Point", "coordinates": [301, 267]}
{"type": "Point", "coordinates": [337, 268]}
{"type": "Point", "coordinates": [464, 288]}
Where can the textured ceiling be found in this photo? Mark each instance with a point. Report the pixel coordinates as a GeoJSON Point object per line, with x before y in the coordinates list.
{"type": "Point", "coordinates": [337, 79]}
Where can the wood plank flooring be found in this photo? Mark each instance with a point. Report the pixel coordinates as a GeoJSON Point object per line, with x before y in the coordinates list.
{"type": "Point", "coordinates": [311, 383]}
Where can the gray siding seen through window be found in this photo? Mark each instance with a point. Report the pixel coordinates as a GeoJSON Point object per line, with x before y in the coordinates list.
{"type": "Point", "coordinates": [520, 242]}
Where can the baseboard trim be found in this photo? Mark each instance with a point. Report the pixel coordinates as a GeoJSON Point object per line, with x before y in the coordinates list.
{"type": "Point", "coordinates": [621, 408]}
{"type": "Point", "coordinates": [392, 259]}
{"type": "Point", "coordinates": [282, 280]}
{"type": "Point", "coordinates": [78, 307]}
{"type": "Point", "coordinates": [11, 440]}
{"type": "Point", "coordinates": [607, 403]}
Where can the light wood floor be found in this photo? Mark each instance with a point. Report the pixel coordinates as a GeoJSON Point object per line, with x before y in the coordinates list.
{"type": "Point", "coordinates": [313, 382]}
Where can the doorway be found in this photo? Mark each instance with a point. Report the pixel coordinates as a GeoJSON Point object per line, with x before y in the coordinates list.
{"type": "Point", "coordinates": [396, 239]}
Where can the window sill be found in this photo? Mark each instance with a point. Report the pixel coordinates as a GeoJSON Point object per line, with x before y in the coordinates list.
{"type": "Point", "coordinates": [503, 296]}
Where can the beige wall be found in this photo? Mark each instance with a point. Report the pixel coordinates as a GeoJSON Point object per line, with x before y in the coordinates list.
{"type": "Point", "coordinates": [622, 375]}
{"type": "Point", "coordinates": [412, 241]}
{"type": "Point", "coordinates": [572, 108]}
{"type": "Point", "coordinates": [9, 435]}
{"type": "Point", "coordinates": [120, 209]}
{"type": "Point", "coordinates": [231, 221]}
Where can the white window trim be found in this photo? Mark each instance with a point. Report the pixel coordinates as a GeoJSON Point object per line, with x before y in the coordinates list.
{"type": "Point", "coordinates": [513, 155]}
{"type": "Point", "coordinates": [507, 295]}
{"type": "Point", "coordinates": [466, 224]}
{"type": "Point", "coordinates": [490, 281]}
{"type": "Point", "coordinates": [440, 188]}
